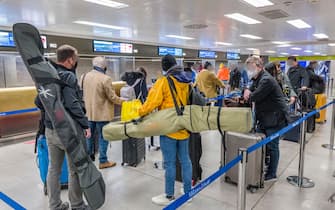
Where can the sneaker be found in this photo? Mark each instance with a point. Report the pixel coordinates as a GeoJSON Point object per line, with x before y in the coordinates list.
{"type": "Point", "coordinates": [84, 207]}
{"type": "Point", "coordinates": [107, 165]}
{"type": "Point", "coordinates": [162, 200]}
{"type": "Point", "coordinates": [270, 178]}
{"type": "Point", "coordinates": [64, 206]}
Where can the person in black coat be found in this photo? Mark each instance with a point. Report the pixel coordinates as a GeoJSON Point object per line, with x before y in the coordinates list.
{"type": "Point", "coordinates": [271, 109]}
{"type": "Point", "coordinates": [297, 74]}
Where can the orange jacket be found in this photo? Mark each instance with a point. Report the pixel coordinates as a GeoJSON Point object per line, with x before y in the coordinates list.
{"type": "Point", "coordinates": [160, 97]}
{"type": "Point", "coordinates": [223, 74]}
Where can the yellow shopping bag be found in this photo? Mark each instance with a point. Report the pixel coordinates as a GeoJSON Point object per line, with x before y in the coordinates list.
{"type": "Point", "coordinates": [129, 110]}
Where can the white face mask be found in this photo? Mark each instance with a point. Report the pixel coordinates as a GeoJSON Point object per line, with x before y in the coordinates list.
{"type": "Point", "coordinates": [251, 73]}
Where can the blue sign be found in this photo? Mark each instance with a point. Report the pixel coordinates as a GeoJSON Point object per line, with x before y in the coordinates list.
{"type": "Point", "coordinates": [207, 54]}
{"type": "Point", "coordinates": [6, 39]}
{"type": "Point", "coordinates": [303, 63]}
{"type": "Point", "coordinates": [170, 50]}
{"type": "Point", "coordinates": [233, 56]}
{"type": "Point", "coordinates": [112, 47]}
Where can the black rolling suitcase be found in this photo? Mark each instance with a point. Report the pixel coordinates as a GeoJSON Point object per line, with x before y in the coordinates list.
{"type": "Point", "coordinates": [133, 151]}
{"type": "Point", "coordinates": [195, 150]}
{"type": "Point", "coordinates": [308, 103]}
{"type": "Point", "coordinates": [294, 134]}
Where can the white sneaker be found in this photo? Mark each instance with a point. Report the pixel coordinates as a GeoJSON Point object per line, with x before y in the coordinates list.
{"type": "Point", "coordinates": [162, 200]}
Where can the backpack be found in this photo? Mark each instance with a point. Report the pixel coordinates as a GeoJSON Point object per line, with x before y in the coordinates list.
{"type": "Point", "coordinates": [235, 79]}
{"type": "Point", "coordinates": [128, 92]}
{"type": "Point", "coordinates": [318, 85]}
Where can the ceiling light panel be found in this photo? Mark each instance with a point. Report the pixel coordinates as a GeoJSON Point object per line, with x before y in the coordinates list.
{"type": "Point", "coordinates": [100, 25]}
{"type": "Point", "coordinates": [283, 53]}
{"type": "Point", "coordinates": [179, 37]}
{"type": "Point", "coordinates": [279, 42]}
{"type": "Point", "coordinates": [295, 48]}
{"type": "Point", "coordinates": [321, 36]}
{"type": "Point", "coordinates": [308, 51]}
{"type": "Point", "coordinates": [252, 49]}
{"type": "Point", "coordinates": [249, 36]}
{"type": "Point", "coordinates": [223, 43]}
{"type": "Point", "coordinates": [298, 23]}
{"type": "Point", "coordinates": [332, 44]}
{"type": "Point", "coordinates": [284, 45]}
{"type": "Point", "coordinates": [243, 18]}
{"type": "Point", "coordinates": [108, 3]}
{"type": "Point", "coordinates": [270, 51]}
{"type": "Point", "coordinates": [259, 3]}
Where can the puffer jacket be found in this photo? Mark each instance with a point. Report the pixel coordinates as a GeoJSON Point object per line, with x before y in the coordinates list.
{"type": "Point", "coordinates": [160, 96]}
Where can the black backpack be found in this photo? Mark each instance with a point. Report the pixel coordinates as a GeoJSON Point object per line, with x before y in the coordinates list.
{"type": "Point", "coordinates": [235, 79]}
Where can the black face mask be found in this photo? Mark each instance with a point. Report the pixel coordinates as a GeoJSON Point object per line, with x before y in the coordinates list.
{"type": "Point", "coordinates": [74, 68]}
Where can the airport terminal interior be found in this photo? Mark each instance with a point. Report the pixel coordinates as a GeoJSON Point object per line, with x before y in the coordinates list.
{"type": "Point", "coordinates": [206, 36]}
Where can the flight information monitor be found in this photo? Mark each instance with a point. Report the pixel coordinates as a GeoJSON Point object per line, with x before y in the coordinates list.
{"type": "Point", "coordinates": [207, 54]}
{"type": "Point", "coordinates": [112, 47]}
{"type": "Point", "coordinates": [170, 50]}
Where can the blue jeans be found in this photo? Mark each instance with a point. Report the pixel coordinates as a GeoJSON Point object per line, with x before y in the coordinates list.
{"type": "Point", "coordinates": [170, 149]}
{"type": "Point", "coordinates": [103, 144]}
{"type": "Point", "coordinates": [272, 149]}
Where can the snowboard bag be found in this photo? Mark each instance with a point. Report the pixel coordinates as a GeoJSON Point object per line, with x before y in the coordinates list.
{"type": "Point", "coordinates": [195, 119]}
{"type": "Point", "coordinates": [46, 79]}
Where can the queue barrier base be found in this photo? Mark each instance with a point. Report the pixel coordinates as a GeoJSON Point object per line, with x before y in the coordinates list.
{"type": "Point", "coordinates": [306, 182]}
{"type": "Point", "coordinates": [328, 146]}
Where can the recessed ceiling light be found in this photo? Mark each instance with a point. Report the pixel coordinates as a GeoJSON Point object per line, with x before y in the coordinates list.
{"type": "Point", "coordinates": [250, 36]}
{"type": "Point", "coordinates": [100, 25]}
{"type": "Point", "coordinates": [224, 43]}
{"type": "Point", "coordinates": [295, 48]}
{"type": "Point", "coordinates": [179, 37]}
{"type": "Point", "coordinates": [252, 49]}
{"type": "Point", "coordinates": [242, 18]}
{"type": "Point", "coordinates": [308, 51]}
{"type": "Point", "coordinates": [284, 45]}
{"type": "Point", "coordinates": [270, 51]}
{"type": "Point", "coordinates": [109, 3]}
{"type": "Point", "coordinates": [279, 42]}
{"type": "Point", "coordinates": [299, 23]}
{"type": "Point", "coordinates": [317, 53]}
{"type": "Point", "coordinates": [284, 53]}
{"type": "Point", "coordinates": [296, 55]}
{"type": "Point", "coordinates": [321, 36]}
{"type": "Point", "coordinates": [332, 44]}
{"type": "Point", "coordinates": [259, 3]}
{"type": "Point", "coordinates": [324, 54]}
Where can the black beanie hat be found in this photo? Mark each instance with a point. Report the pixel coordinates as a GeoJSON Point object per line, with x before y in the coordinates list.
{"type": "Point", "coordinates": [168, 61]}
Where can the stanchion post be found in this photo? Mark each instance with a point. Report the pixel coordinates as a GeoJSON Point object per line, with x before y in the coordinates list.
{"type": "Point", "coordinates": [241, 197]}
{"type": "Point", "coordinates": [331, 146]}
{"type": "Point", "coordinates": [331, 86]}
{"type": "Point", "coordinates": [328, 82]}
{"type": "Point", "coordinates": [300, 180]}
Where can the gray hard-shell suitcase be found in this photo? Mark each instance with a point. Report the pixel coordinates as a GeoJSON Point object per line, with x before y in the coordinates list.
{"type": "Point", "coordinates": [256, 159]}
{"type": "Point", "coordinates": [133, 151]}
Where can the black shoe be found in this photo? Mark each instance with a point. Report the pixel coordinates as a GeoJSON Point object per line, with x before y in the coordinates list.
{"type": "Point", "coordinates": [84, 207]}
{"type": "Point", "coordinates": [270, 178]}
{"type": "Point", "coordinates": [92, 157]}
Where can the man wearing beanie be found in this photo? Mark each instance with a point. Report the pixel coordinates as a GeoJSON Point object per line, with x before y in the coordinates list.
{"type": "Point", "coordinates": [99, 97]}
{"type": "Point", "coordinates": [177, 143]}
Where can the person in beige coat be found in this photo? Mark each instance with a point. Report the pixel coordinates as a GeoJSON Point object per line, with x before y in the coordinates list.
{"type": "Point", "coordinates": [99, 97]}
{"type": "Point", "coordinates": [207, 82]}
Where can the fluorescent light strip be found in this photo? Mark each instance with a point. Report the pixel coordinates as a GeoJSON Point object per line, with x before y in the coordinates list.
{"type": "Point", "coordinates": [108, 3]}
{"type": "Point", "coordinates": [179, 37]}
{"type": "Point", "coordinates": [295, 48]}
{"type": "Point", "coordinates": [223, 43]}
{"type": "Point", "coordinates": [331, 44]}
{"type": "Point", "coordinates": [284, 45]}
{"type": "Point", "coordinates": [270, 51]}
{"type": "Point", "coordinates": [249, 36]}
{"type": "Point", "coordinates": [259, 3]}
{"type": "Point", "coordinates": [317, 53]}
{"type": "Point", "coordinates": [308, 51]}
{"type": "Point", "coordinates": [298, 23]}
{"type": "Point", "coordinates": [99, 25]}
{"type": "Point", "coordinates": [252, 49]}
{"type": "Point", "coordinates": [280, 42]}
{"type": "Point", "coordinates": [242, 18]}
{"type": "Point", "coordinates": [283, 53]}
{"type": "Point", "coordinates": [321, 36]}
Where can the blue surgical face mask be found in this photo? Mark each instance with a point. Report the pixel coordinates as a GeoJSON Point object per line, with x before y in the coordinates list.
{"type": "Point", "coordinates": [164, 73]}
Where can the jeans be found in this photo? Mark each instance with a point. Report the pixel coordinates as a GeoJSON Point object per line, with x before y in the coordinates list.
{"type": "Point", "coordinates": [103, 144]}
{"type": "Point", "coordinates": [170, 149]}
{"type": "Point", "coordinates": [272, 149]}
{"type": "Point", "coordinates": [56, 158]}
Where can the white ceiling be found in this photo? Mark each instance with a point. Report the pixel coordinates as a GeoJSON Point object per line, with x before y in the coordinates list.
{"type": "Point", "coordinates": [149, 21]}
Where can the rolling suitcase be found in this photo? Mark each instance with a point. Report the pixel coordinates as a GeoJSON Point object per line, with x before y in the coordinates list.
{"type": "Point", "coordinates": [133, 151]}
{"type": "Point", "coordinates": [321, 100]}
{"type": "Point", "coordinates": [43, 164]}
{"type": "Point", "coordinates": [256, 160]}
{"type": "Point", "coordinates": [195, 150]}
{"type": "Point", "coordinates": [311, 124]}
{"type": "Point", "coordinates": [294, 134]}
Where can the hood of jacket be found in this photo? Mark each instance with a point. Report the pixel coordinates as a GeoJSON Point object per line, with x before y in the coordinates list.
{"type": "Point", "coordinates": [179, 74]}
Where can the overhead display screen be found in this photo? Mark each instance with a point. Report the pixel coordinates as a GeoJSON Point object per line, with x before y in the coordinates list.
{"type": "Point", "coordinates": [233, 56]}
{"type": "Point", "coordinates": [170, 50]}
{"type": "Point", "coordinates": [112, 47]}
{"type": "Point", "coordinates": [6, 39]}
{"type": "Point", "coordinates": [207, 54]}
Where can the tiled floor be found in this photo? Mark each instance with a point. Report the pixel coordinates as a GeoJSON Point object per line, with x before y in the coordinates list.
{"type": "Point", "coordinates": [132, 188]}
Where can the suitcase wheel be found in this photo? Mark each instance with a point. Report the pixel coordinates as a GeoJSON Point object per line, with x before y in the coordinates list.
{"type": "Point", "coordinates": [227, 179]}
{"type": "Point", "coordinates": [252, 189]}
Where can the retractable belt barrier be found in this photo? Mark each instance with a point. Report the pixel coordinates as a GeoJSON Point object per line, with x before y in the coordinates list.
{"type": "Point", "coordinates": [184, 198]}
{"type": "Point", "coordinates": [230, 95]}
{"type": "Point", "coordinates": [21, 111]}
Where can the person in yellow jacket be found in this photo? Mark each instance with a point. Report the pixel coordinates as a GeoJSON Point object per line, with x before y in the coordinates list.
{"type": "Point", "coordinates": [207, 82]}
{"type": "Point", "coordinates": [175, 143]}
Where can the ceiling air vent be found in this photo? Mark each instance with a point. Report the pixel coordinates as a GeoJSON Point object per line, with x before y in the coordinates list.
{"type": "Point", "coordinates": [274, 14]}
{"type": "Point", "coordinates": [196, 26]}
